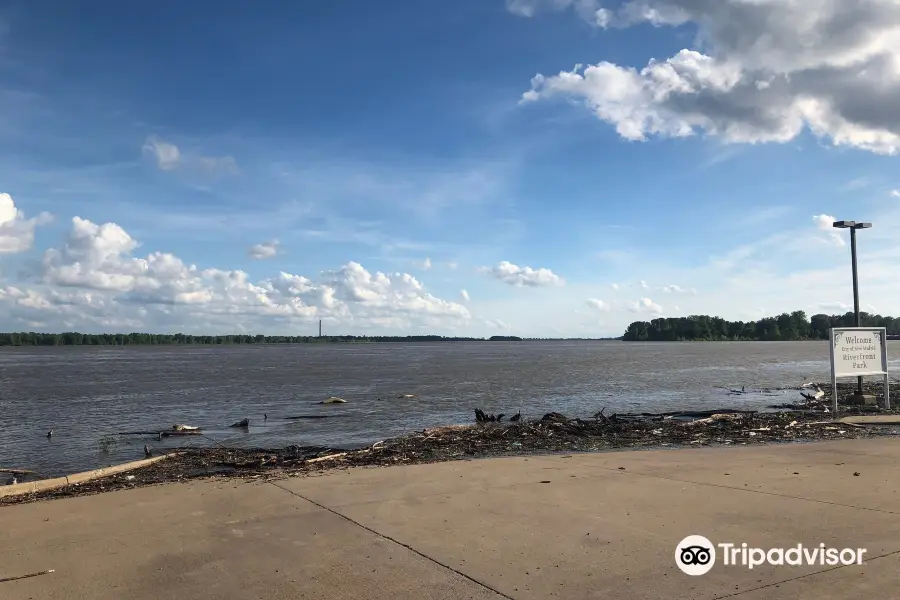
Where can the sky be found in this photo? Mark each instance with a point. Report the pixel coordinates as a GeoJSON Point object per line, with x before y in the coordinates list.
{"type": "Point", "coordinates": [542, 168]}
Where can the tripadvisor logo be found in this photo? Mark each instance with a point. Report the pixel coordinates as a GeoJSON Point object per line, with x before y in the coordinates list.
{"type": "Point", "coordinates": [696, 555]}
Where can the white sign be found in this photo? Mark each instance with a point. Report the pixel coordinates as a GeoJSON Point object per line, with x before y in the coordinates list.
{"type": "Point", "coordinates": [858, 351]}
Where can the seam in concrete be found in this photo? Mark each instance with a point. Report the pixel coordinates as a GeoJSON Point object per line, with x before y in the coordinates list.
{"type": "Point", "coordinates": [395, 541]}
{"type": "Point", "coordinates": [790, 579]}
{"type": "Point", "coordinates": [43, 485]}
{"type": "Point", "coordinates": [744, 489]}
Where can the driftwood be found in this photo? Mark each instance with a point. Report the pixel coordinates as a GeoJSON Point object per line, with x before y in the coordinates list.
{"type": "Point", "coordinates": [332, 400]}
{"type": "Point", "coordinates": [162, 433]}
{"type": "Point", "coordinates": [307, 417]}
{"type": "Point", "coordinates": [18, 472]}
{"type": "Point", "coordinates": [47, 572]}
{"type": "Point", "coordinates": [328, 457]}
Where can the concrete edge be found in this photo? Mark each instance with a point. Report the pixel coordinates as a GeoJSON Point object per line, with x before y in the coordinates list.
{"type": "Point", "coordinates": [30, 487]}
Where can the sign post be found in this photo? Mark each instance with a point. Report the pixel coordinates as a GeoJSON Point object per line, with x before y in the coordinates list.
{"type": "Point", "coordinates": [859, 351]}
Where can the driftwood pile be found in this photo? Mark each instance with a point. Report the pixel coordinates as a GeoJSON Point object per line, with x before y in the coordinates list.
{"type": "Point", "coordinates": [553, 432]}
{"type": "Point", "coordinates": [818, 397]}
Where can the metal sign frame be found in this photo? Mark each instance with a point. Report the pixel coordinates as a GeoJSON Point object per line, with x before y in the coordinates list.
{"type": "Point", "coordinates": [835, 334]}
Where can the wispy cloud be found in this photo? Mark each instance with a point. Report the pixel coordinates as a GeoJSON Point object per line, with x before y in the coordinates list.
{"type": "Point", "coordinates": [170, 157]}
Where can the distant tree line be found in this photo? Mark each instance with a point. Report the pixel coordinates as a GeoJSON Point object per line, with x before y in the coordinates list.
{"type": "Point", "coordinates": [784, 327]}
{"type": "Point", "coordinates": [129, 339]}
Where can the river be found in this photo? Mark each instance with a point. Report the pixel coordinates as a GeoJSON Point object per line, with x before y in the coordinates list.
{"type": "Point", "coordinates": [86, 394]}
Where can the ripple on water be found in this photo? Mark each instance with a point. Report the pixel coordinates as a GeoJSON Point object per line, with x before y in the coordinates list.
{"type": "Point", "coordinates": [88, 393]}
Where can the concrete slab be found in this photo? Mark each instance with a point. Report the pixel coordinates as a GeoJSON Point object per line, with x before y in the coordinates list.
{"type": "Point", "coordinates": [538, 527]}
{"type": "Point", "coordinates": [210, 541]}
{"type": "Point", "coordinates": [822, 472]}
{"type": "Point", "coordinates": [611, 536]}
{"type": "Point", "coordinates": [875, 579]}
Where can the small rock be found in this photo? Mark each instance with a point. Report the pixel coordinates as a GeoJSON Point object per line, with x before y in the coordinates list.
{"type": "Point", "coordinates": [856, 473]}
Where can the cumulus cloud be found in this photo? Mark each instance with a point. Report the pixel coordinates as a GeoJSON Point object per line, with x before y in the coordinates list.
{"type": "Point", "coordinates": [169, 157]}
{"type": "Point", "coordinates": [614, 286]}
{"type": "Point", "coordinates": [523, 276]}
{"type": "Point", "coordinates": [760, 71]}
{"type": "Point", "coordinates": [17, 232]}
{"type": "Point", "coordinates": [644, 285]}
{"type": "Point", "coordinates": [95, 279]}
{"type": "Point", "coordinates": [825, 224]}
{"type": "Point", "coordinates": [895, 193]}
{"type": "Point", "coordinates": [464, 295]}
{"type": "Point", "coordinates": [646, 305]}
{"type": "Point", "coordinates": [598, 304]}
{"type": "Point", "coordinates": [264, 250]}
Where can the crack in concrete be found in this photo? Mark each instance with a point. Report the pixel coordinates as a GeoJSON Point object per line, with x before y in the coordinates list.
{"type": "Point", "coordinates": [745, 489]}
{"type": "Point", "coordinates": [395, 541]}
{"type": "Point", "coordinates": [805, 575]}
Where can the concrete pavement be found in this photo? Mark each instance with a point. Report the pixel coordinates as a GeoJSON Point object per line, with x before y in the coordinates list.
{"type": "Point", "coordinates": [579, 526]}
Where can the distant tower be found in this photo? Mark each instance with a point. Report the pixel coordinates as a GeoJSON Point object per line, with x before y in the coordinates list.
{"type": "Point", "coordinates": [320, 327]}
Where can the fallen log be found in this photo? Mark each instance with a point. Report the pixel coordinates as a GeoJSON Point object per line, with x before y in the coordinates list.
{"type": "Point", "coordinates": [162, 433]}
{"type": "Point", "coordinates": [307, 417]}
{"type": "Point", "coordinates": [18, 472]}
{"type": "Point", "coordinates": [329, 457]}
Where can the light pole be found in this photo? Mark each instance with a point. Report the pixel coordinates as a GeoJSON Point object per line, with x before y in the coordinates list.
{"type": "Point", "coordinates": [853, 226]}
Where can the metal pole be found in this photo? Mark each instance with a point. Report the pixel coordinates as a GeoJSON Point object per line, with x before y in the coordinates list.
{"type": "Point", "coordinates": [859, 380]}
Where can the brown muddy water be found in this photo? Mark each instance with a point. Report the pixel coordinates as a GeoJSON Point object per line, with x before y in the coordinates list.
{"type": "Point", "coordinates": [88, 394]}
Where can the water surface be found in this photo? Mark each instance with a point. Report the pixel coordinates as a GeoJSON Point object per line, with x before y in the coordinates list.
{"type": "Point", "coordinates": [87, 393]}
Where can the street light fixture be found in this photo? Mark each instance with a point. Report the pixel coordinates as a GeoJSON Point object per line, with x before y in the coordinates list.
{"type": "Point", "coordinates": [853, 226]}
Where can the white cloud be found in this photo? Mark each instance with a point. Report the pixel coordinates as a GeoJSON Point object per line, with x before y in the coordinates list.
{"type": "Point", "coordinates": [644, 285]}
{"type": "Point", "coordinates": [169, 157]}
{"type": "Point", "coordinates": [825, 224]}
{"type": "Point", "coordinates": [646, 305]}
{"type": "Point", "coordinates": [840, 307]}
{"type": "Point", "coordinates": [614, 286]}
{"type": "Point", "coordinates": [264, 250]}
{"type": "Point", "coordinates": [424, 265]}
{"type": "Point", "coordinates": [95, 280]}
{"type": "Point", "coordinates": [464, 295]}
{"type": "Point", "coordinates": [676, 289]}
{"type": "Point", "coordinates": [589, 10]}
{"type": "Point", "coordinates": [497, 324]}
{"type": "Point", "coordinates": [17, 232]}
{"type": "Point", "coordinates": [452, 266]}
{"type": "Point", "coordinates": [598, 304]}
{"type": "Point", "coordinates": [762, 71]}
{"type": "Point", "coordinates": [523, 276]}
{"type": "Point", "coordinates": [895, 193]}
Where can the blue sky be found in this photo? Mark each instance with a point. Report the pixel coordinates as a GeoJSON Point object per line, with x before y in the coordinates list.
{"type": "Point", "coordinates": [257, 168]}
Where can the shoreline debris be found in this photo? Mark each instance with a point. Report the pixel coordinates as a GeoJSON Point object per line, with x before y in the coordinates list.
{"type": "Point", "coordinates": [552, 433]}
{"type": "Point", "coordinates": [332, 400]}
{"type": "Point", "coordinates": [17, 577]}
{"type": "Point", "coordinates": [185, 428]}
